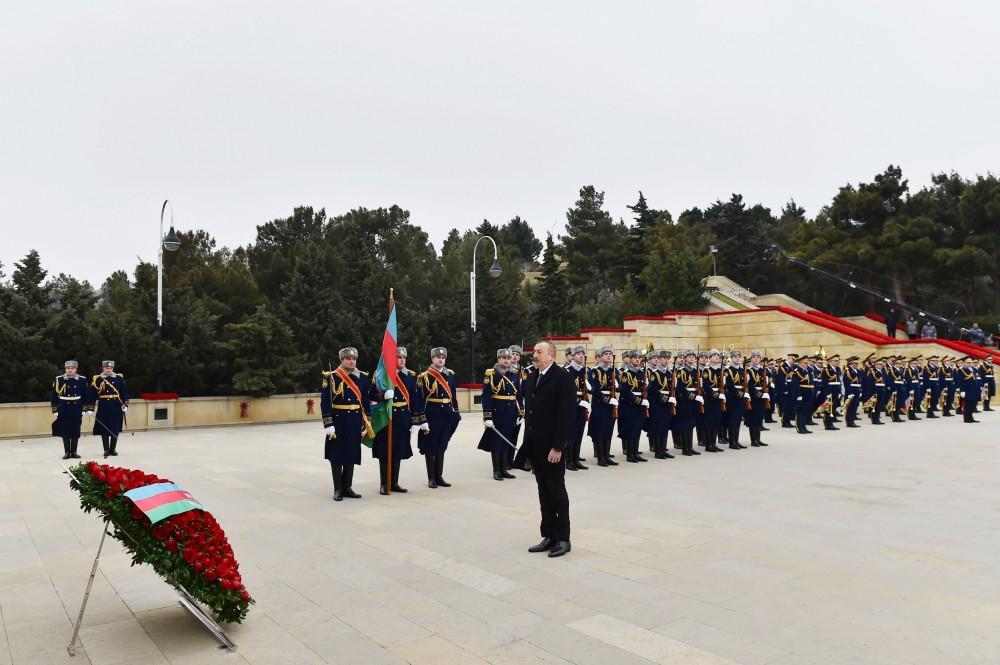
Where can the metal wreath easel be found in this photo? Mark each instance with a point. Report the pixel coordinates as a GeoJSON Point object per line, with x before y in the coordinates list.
{"type": "Point", "coordinates": [185, 599]}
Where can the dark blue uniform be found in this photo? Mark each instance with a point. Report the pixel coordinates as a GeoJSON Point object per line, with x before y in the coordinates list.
{"type": "Point", "coordinates": [111, 395]}
{"type": "Point", "coordinates": [602, 382]}
{"type": "Point", "coordinates": [852, 394]}
{"type": "Point", "coordinates": [581, 382]}
{"type": "Point", "coordinates": [69, 397]}
{"type": "Point", "coordinates": [801, 392]}
{"type": "Point", "coordinates": [734, 387]}
{"type": "Point", "coordinates": [439, 409]}
{"type": "Point", "coordinates": [659, 389]}
{"type": "Point", "coordinates": [948, 389]}
{"type": "Point", "coordinates": [988, 378]}
{"type": "Point", "coordinates": [501, 406]}
{"type": "Point", "coordinates": [711, 389]}
{"type": "Point", "coordinates": [630, 411]}
{"type": "Point", "coordinates": [970, 388]}
{"type": "Point", "coordinates": [402, 420]}
{"type": "Point", "coordinates": [686, 407]}
{"type": "Point", "coordinates": [781, 388]}
{"type": "Point", "coordinates": [341, 408]}
{"type": "Point", "coordinates": [757, 387]}
{"type": "Point", "coordinates": [933, 382]}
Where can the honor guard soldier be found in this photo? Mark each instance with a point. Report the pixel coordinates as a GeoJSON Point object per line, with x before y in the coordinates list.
{"type": "Point", "coordinates": [111, 395]}
{"type": "Point", "coordinates": [518, 375]}
{"type": "Point", "coordinates": [567, 357]}
{"type": "Point", "coordinates": [715, 401]}
{"type": "Point", "coordinates": [345, 401]}
{"type": "Point", "coordinates": [830, 386]}
{"type": "Point", "coordinates": [969, 386]}
{"type": "Point", "coordinates": [439, 413]}
{"type": "Point", "coordinates": [801, 390]}
{"type": "Point", "coordinates": [880, 389]}
{"type": "Point", "coordinates": [500, 413]}
{"type": "Point", "coordinates": [914, 378]}
{"type": "Point", "coordinates": [578, 370]}
{"type": "Point", "coordinates": [781, 386]}
{"type": "Point", "coordinates": [735, 390]}
{"type": "Point", "coordinates": [770, 366]}
{"type": "Point", "coordinates": [988, 378]}
{"type": "Point", "coordinates": [948, 388]}
{"type": "Point", "coordinates": [836, 386]}
{"type": "Point", "coordinates": [659, 390]}
{"type": "Point", "coordinates": [933, 385]}
{"type": "Point", "coordinates": [630, 406]}
{"type": "Point", "coordinates": [603, 382]}
{"type": "Point", "coordinates": [756, 392]}
{"type": "Point", "coordinates": [687, 400]}
{"type": "Point", "coordinates": [404, 423]}
{"type": "Point", "coordinates": [70, 399]}
{"type": "Point", "coordinates": [852, 391]}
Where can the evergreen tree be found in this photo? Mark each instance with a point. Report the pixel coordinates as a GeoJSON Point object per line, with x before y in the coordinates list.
{"type": "Point", "coordinates": [593, 247]}
{"type": "Point", "coordinates": [552, 293]}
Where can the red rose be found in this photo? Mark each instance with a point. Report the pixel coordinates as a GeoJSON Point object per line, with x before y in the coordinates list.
{"type": "Point", "coordinates": [190, 554]}
{"type": "Point", "coordinates": [245, 597]}
{"type": "Point", "coordinates": [172, 545]}
{"type": "Point", "coordinates": [209, 575]}
{"type": "Point", "coordinates": [198, 566]}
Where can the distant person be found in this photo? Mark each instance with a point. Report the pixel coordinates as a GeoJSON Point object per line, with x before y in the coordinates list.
{"type": "Point", "coordinates": [976, 334]}
{"type": "Point", "coordinates": [890, 323]}
{"type": "Point", "coordinates": [911, 327]}
{"type": "Point", "coordinates": [928, 331]}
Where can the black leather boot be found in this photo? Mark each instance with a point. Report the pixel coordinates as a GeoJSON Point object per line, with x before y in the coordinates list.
{"type": "Point", "coordinates": [338, 490]}
{"type": "Point", "coordinates": [66, 448]}
{"type": "Point", "coordinates": [113, 444]}
{"type": "Point", "coordinates": [431, 477]}
{"type": "Point", "coordinates": [608, 455]}
{"type": "Point", "coordinates": [74, 443]}
{"type": "Point", "coordinates": [635, 452]}
{"type": "Point", "coordinates": [348, 481]}
{"type": "Point", "coordinates": [396, 487]}
{"type": "Point", "coordinates": [439, 470]}
{"type": "Point", "coordinates": [382, 489]}
{"type": "Point", "coordinates": [576, 455]}
{"type": "Point", "coordinates": [104, 444]}
{"type": "Point", "coordinates": [496, 466]}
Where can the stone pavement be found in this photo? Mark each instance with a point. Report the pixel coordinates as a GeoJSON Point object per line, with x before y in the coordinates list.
{"type": "Point", "coordinates": [877, 545]}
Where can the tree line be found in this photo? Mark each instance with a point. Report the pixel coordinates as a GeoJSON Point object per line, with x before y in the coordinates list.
{"type": "Point", "coordinates": [268, 317]}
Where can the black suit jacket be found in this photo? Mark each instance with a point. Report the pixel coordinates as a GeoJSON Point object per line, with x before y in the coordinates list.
{"type": "Point", "coordinates": [549, 412]}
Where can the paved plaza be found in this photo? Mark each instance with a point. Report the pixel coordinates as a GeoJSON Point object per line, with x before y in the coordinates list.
{"type": "Point", "coordinates": [875, 545]}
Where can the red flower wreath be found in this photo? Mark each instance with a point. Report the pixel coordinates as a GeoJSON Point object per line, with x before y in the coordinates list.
{"type": "Point", "coordinates": [189, 550]}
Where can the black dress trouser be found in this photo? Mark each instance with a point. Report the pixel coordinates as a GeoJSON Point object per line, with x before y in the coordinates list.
{"type": "Point", "coordinates": [552, 496]}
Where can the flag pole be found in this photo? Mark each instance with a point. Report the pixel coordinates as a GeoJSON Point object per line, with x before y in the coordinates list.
{"type": "Point", "coordinates": [392, 412]}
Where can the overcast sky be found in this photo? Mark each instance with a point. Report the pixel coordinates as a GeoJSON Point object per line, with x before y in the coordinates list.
{"type": "Point", "coordinates": [459, 111]}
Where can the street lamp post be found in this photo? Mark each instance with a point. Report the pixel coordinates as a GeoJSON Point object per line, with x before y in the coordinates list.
{"type": "Point", "coordinates": [494, 272]}
{"type": "Point", "coordinates": [714, 250]}
{"type": "Point", "coordinates": [170, 242]}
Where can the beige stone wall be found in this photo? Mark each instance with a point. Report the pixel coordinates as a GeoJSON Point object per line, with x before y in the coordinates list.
{"type": "Point", "coordinates": [35, 418]}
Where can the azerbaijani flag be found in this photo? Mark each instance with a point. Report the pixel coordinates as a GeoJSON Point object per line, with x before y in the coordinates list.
{"type": "Point", "coordinates": [385, 375]}
{"type": "Point", "coordinates": [161, 500]}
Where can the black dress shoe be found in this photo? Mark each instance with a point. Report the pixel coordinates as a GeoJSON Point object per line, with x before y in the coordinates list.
{"type": "Point", "coordinates": [67, 456]}
{"type": "Point", "coordinates": [505, 474]}
{"type": "Point", "coordinates": [75, 456]}
{"type": "Point", "coordinates": [640, 458]}
{"type": "Point", "coordinates": [852, 425]}
{"type": "Point", "coordinates": [695, 452]}
{"type": "Point", "coordinates": [831, 427]}
{"type": "Point", "coordinates": [544, 546]}
{"type": "Point", "coordinates": [765, 429]}
{"type": "Point", "coordinates": [602, 463]}
{"type": "Point", "coordinates": [571, 466]}
{"type": "Point", "coordinates": [581, 467]}
{"type": "Point", "coordinates": [400, 489]}
{"type": "Point", "coordinates": [611, 462]}
{"type": "Point", "coordinates": [432, 484]}
{"type": "Point", "coordinates": [382, 490]}
{"type": "Point", "coordinates": [805, 431]}
{"type": "Point", "coordinates": [497, 475]}
{"type": "Point", "coordinates": [762, 444]}
{"type": "Point", "coordinates": [338, 495]}
{"type": "Point", "coordinates": [667, 455]}
{"type": "Point", "coordinates": [632, 459]}
{"type": "Point", "coordinates": [754, 444]}
{"type": "Point", "coordinates": [441, 483]}
{"type": "Point", "coordinates": [560, 548]}
{"type": "Point", "coordinates": [351, 494]}
{"type": "Point", "coordinates": [689, 453]}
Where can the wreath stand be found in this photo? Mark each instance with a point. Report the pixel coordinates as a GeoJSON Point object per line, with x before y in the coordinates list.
{"type": "Point", "coordinates": [185, 600]}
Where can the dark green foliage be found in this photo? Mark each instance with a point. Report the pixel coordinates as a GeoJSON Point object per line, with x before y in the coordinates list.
{"type": "Point", "coordinates": [268, 317]}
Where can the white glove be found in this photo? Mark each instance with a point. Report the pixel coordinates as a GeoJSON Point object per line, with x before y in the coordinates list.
{"type": "Point", "coordinates": [765, 396]}
{"type": "Point", "coordinates": [124, 408]}
{"type": "Point", "coordinates": [722, 398]}
{"type": "Point", "coordinates": [644, 402]}
{"type": "Point", "coordinates": [672, 400]}
{"type": "Point", "coordinates": [425, 427]}
{"type": "Point", "coordinates": [488, 424]}
{"type": "Point", "coordinates": [414, 428]}
{"type": "Point", "coordinates": [519, 421]}
{"type": "Point", "coordinates": [389, 394]}
{"type": "Point", "coordinates": [613, 401]}
{"type": "Point", "coordinates": [585, 404]}
{"type": "Point", "coordinates": [330, 430]}
{"type": "Point", "coordinates": [90, 414]}
{"type": "Point", "coordinates": [798, 399]}
{"type": "Point", "coordinates": [699, 399]}
{"type": "Point", "coordinates": [961, 394]}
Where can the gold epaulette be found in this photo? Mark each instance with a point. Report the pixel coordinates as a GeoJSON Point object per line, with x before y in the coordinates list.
{"type": "Point", "coordinates": [489, 372]}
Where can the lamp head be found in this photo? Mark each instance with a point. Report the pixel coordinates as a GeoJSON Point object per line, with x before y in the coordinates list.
{"type": "Point", "coordinates": [171, 241]}
{"type": "Point", "coordinates": [495, 269]}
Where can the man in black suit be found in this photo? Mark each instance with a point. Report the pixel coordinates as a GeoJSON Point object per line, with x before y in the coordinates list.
{"type": "Point", "coordinates": [549, 412]}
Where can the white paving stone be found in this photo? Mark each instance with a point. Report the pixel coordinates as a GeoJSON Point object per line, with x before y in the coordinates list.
{"type": "Point", "coordinates": [876, 545]}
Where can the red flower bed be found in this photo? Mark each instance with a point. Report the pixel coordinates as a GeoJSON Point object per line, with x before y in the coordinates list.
{"type": "Point", "coordinates": [189, 550]}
